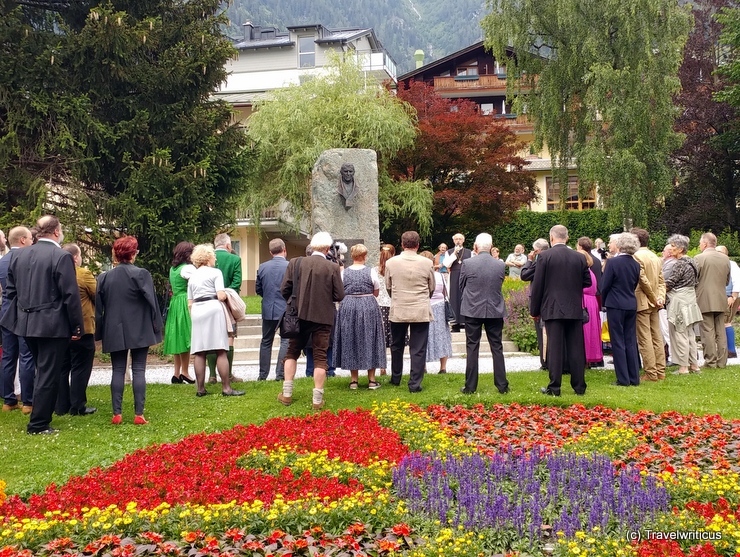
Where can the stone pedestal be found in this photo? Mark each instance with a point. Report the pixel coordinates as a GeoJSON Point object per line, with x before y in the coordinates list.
{"type": "Point", "coordinates": [351, 225]}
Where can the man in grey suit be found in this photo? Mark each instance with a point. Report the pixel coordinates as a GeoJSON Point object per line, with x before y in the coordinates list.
{"type": "Point", "coordinates": [482, 305]}
{"type": "Point", "coordinates": [45, 309]}
{"type": "Point", "coordinates": [269, 278]}
{"type": "Point", "coordinates": [714, 276]}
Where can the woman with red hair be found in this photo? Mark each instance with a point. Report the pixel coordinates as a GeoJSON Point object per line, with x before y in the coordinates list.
{"type": "Point", "coordinates": [127, 319]}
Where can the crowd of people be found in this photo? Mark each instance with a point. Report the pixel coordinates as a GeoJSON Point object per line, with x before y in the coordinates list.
{"type": "Point", "coordinates": [349, 314]}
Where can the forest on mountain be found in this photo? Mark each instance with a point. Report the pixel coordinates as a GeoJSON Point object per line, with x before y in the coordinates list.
{"type": "Point", "coordinates": [438, 27]}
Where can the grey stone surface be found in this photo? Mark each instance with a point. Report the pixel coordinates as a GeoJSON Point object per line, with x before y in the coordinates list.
{"type": "Point", "coordinates": [358, 223]}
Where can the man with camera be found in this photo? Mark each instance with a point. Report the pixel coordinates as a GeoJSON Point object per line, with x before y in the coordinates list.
{"type": "Point", "coordinates": [318, 286]}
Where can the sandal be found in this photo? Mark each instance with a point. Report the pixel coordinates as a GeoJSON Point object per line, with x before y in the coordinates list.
{"type": "Point", "coordinates": [353, 385]}
{"type": "Point", "coordinates": [373, 385]}
{"type": "Point", "coordinates": [442, 371]}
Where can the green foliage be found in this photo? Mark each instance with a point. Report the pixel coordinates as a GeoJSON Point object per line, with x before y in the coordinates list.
{"type": "Point", "coordinates": [108, 109]}
{"type": "Point", "coordinates": [518, 324]}
{"type": "Point", "coordinates": [292, 127]}
{"type": "Point", "coordinates": [527, 226]}
{"type": "Point", "coordinates": [598, 79]}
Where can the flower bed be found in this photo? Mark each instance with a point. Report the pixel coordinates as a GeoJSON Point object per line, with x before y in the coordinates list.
{"type": "Point", "coordinates": [405, 481]}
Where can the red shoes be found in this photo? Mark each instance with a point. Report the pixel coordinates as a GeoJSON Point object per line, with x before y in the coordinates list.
{"type": "Point", "coordinates": [139, 420]}
{"type": "Point", "coordinates": [116, 419]}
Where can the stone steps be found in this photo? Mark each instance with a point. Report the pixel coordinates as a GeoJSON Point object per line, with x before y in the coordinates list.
{"type": "Point", "coordinates": [247, 342]}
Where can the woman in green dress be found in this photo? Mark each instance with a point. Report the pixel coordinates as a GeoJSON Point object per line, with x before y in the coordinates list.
{"type": "Point", "coordinates": [178, 326]}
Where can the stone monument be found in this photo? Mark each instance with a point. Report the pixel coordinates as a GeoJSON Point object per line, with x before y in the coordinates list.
{"type": "Point", "coordinates": [344, 199]}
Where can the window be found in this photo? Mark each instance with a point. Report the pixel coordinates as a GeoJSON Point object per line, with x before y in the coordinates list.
{"type": "Point", "coordinates": [236, 245]}
{"type": "Point", "coordinates": [486, 108]}
{"type": "Point", "coordinates": [307, 52]}
{"type": "Point", "coordinates": [572, 200]}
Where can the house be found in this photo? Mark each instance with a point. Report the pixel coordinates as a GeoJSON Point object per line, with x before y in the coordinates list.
{"type": "Point", "coordinates": [270, 59]}
{"type": "Point", "coordinates": [474, 74]}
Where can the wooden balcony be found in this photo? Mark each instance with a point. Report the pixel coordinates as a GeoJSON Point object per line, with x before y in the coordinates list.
{"type": "Point", "coordinates": [467, 84]}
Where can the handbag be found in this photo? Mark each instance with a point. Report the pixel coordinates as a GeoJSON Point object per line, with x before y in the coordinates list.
{"type": "Point", "coordinates": [290, 325]}
{"type": "Point", "coordinates": [449, 314]}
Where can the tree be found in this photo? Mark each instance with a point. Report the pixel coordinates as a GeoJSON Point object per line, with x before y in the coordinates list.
{"type": "Point", "coordinates": [336, 110]}
{"type": "Point", "coordinates": [705, 196]}
{"type": "Point", "coordinates": [106, 120]}
{"type": "Point", "coordinates": [598, 79]}
{"type": "Point", "coordinates": [470, 160]}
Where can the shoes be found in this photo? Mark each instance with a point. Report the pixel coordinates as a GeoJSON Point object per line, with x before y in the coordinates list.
{"type": "Point", "coordinates": [285, 400]}
{"type": "Point", "coordinates": [232, 392]}
{"type": "Point", "coordinates": [212, 380]}
{"type": "Point", "coordinates": [10, 407]}
{"type": "Point", "coordinates": [543, 368]}
{"type": "Point", "coordinates": [47, 431]}
{"type": "Point", "coordinates": [680, 372]}
{"type": "Point", "coordinates": [86, 411]}
{"type": "Point", "coordinates": [548, 392]}
{"type": "Point", "coordinates": [395, 384]}
{"type": "Point", "coordinates": [441, 371]}
{"type": "Point", "coordinates": [331, 373]}
{"type": "Point", "coordinates": [186, 379]}
{"type": "Point", "coordinates": [669, 363]}
{"type": "Point", "coordinates": [353, 385]}
{"type": "Point", "coordinates": [116, 419]}
{"type": "Point", "coordinates": [615, 384]}
{"type": "Point", "coordinates": [504, 391]}
{"type": "Point", "coordinates": [235, 379]}
{"type": "Point", "coordinates": [466, 392]}
{"type": "Point", "coordinates": [732, 354]}
{"type": "Point", "coordinates": [417, 390]}
{"type": "Point", "coordinates": [692, 370]}
{"type": "Point", "coordinates": [26, 409]}
{"type": "Point", "coordinates": [202, 393]}
{"type": "Point", "coordinates": [319, 406]}
{"type": "Point", "coordinates": [648, 378]}
{"type": "Point", "coordinates": [139, 420]}
{"type": "Point", "coordinates": [373, 385]}
{"type": "Point", "coordinates": [176, 380]}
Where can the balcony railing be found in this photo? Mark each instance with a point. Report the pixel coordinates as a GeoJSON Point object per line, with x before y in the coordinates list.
{"type": "Point", "coordinates": [375, 61]}
{"type": "Point", "coordinates": [470, 82]}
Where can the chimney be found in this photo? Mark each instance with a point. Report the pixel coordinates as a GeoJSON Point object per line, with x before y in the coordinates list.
{"type": "Point", "coordinates": [419, 57]}
{"type": "Point", "coordinates": [248, 31]}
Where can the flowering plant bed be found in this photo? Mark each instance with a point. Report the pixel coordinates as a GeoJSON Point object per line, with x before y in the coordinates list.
{"type": "Point", "coordinates": [400, 480]}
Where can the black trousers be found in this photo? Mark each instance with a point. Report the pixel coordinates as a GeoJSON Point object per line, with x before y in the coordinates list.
{"type": "Point", "coordinates": [75, 375]}
{"type": "Point", "coordinates": [48, 353]}
{"type": "Point", "coordinates": [418, 337]}
{"type": "Point", "coordinates": [473, 332]}
{"type": "Point", "coordinates": [565, 347]}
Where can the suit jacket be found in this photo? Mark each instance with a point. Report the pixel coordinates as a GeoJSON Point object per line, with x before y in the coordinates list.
{"type": "Point", "coordinates": [481, 278]}
{"type": "Point", "coordinates": [619, 281]}
{"type": "Point", "coordinates": [409, 279]}
{"type": "Point", "coordinates": [528, 270]}
{"type": "Point", "coordinates": [714, 275]}
{"type": "Point", "coordinates": [269, 278]}
{"type": "Point", "coordinates": [43, 298]}
{"type": "Point", "coordinates": [652, 285]}
{"type": "Point", "coordinates": [4, 264]}
{"type": "Point", "coordinates": [560, 276]}
{"type": "Point", "coordinates": [126, 310]}
{"type": "Point", "coordinates": [230, 266]}
{"type": "Point", "coordinates": [88, 286]}
{"type": "Point", "coordinates": [319, 286]}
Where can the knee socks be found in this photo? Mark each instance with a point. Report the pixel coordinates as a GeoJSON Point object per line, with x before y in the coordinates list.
{"type": "Point", "coordinates": [211, 361]}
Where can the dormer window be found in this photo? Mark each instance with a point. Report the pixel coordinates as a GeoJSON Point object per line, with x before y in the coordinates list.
{"type": "Point", "coordinates": [306, 52]}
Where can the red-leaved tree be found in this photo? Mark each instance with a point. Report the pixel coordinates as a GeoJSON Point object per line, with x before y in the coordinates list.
{"type": "Point", "coordinates": [471, 160]}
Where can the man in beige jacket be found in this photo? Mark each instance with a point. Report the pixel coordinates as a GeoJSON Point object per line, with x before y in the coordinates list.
{"type": "Point", "coordinates": [409, 279]}
{"type": "Point", "coordinates": [714, 275]}
{"type": "Point", "coordinates": [650, 294]}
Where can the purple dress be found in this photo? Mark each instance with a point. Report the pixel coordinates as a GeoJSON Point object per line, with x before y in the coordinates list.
{"type": "Point", "coordinates": [592, 329]}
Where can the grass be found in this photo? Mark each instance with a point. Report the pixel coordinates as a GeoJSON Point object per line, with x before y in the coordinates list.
{"type": "Point", "coordinates": [28, 463]}
{"type": "Point", "coordinates": [254, 304]}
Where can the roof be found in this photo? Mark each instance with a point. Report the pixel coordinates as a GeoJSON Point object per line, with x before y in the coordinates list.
{"type": "Point", "coordinates": [276, 42]}
{"type": "Point", "coordinates": [544, 164]}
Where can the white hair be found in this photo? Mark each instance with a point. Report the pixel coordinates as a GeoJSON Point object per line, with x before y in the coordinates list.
{"type": "Point", "coordinates": [321, 241]}
{"type": "Point", "coordinates": [484, 241]}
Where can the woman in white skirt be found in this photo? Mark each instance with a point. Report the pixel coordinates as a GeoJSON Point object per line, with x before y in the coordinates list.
{"type": "Point", "coordinates": [209, 332]}
{"type": "Point", "coordinates": [439, 345]}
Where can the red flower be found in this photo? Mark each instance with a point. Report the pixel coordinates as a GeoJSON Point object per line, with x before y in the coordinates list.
{"type": "Point", "coordinates": [401, 529]}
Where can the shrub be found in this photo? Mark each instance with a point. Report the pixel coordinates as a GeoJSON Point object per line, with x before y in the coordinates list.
{"type": "Point", "coordinates": [518, 325]}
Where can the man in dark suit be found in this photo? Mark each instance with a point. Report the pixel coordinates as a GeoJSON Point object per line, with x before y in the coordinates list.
{"type": "Point", "coordinates": [557, 298]}
{"type": "Point", "coordinates": [230, 265]}
{"type": "Point", "coordinates": [482, 305]}
{"type": "Point", "coordinates": [538, 246]}
{"type": "Point", "coordinates": [45, 309]}
{"type": "Point", "coordinates": [15, 349]}
{"type": "Point", "coordinates": [269, 278]}
{"type": "Point", "coordinates": [453, 260]}
{"type": "Point", "coordinates": [319, 286]}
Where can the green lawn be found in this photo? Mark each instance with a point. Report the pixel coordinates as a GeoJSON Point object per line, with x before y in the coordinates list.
{"type": "Point", "coordinates": [29, 463]}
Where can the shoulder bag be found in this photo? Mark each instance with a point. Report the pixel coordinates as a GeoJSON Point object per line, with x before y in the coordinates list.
{"type": "Point", "coordinates": [290, 326]}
